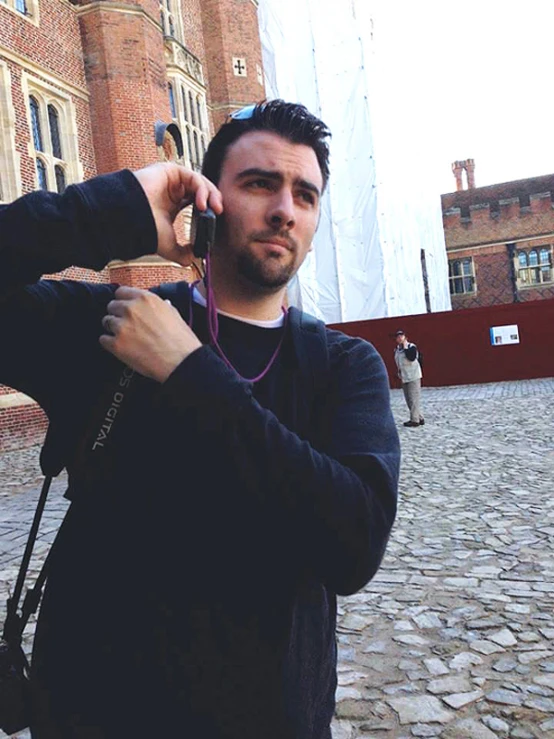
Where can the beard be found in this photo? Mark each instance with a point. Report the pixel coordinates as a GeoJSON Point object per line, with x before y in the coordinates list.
{"type": "Point", "coordinates": [267, 273]}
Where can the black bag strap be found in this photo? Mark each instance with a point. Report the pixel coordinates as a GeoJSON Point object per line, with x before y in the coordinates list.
{"type": "Point", "coordinates": [309, 337]}
{"type": "Point", "coordinates": [15, 623]}
{"type": "Point", "coordinates": [180, 295]}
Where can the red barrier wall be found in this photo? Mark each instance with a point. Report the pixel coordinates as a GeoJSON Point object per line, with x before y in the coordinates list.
{"type": "Point", "coordinates": [456, 345]}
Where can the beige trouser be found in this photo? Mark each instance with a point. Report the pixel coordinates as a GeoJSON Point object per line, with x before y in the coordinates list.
{"type": "Point", "coordinates": [412, 393]}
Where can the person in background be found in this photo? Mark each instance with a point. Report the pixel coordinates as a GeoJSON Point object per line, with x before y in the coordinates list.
{"type": "Point", "coordinates": [406, 357]}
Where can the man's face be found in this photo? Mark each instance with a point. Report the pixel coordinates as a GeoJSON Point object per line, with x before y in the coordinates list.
{"type": "Point", "coordinates": [271, 190]}
{"type": "Point", "coordinates": [400, 339]}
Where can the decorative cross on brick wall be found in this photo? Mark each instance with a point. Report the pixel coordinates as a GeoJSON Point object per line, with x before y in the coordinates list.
{"type": "Point", "coordinates": [239, 67]}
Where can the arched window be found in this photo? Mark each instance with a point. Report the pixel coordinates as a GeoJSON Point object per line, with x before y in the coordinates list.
{"type": "Point", "coordinates": [60, 178]}
{"type": "Point", "coordinates": [54, 123]}
{"type": "Point", "coordinates": [461, 275]}
{"type": "Point", "coordinates": [172, 100]}
{"type": "Point", "coordinates": [41, 175]}
{"type": "Point", "coordinates": [52, 128]}
{"type": "Point", "coordinates": [192, 120]}
{"type": "Point", "coordinates": [170, 22]}
{"type": "Point", "coordinates": [35, 123]}
{"type": "Point", "coordinates": [535, 266]}
{"type": "Point", "coordinates": [167, 18]}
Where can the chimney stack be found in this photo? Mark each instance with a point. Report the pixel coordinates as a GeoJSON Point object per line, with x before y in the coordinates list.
{"type": "Point", "coordinates": [458, 168]}
{"type": "Point", "coordinates": [470, 171]}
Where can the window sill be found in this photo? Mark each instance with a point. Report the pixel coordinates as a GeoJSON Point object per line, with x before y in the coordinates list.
{"type": "Point", "coordinates": [536, 286]}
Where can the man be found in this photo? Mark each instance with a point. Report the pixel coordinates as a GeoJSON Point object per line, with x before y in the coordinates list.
{"type": "Point", "coordinates": [192, 590]}
{"type": "Point", "coordinates": [407, 361]}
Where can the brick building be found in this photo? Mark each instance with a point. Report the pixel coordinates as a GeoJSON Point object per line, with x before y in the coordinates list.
{"type": "Point", "coordinates": [499, 239]}
{"type": "Point", "coordinates": [91, 87]}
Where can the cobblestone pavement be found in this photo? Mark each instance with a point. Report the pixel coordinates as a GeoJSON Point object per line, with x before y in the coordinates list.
{"type": "Point", "coordinates": [454, 638]}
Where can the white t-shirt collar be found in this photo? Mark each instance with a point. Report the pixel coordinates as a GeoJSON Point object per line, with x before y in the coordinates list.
{"type": "Point", "coordinates": [273, 323]}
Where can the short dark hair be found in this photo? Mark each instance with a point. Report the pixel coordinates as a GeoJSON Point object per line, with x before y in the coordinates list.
{"type": "Point", "coordinates": [292, 121]}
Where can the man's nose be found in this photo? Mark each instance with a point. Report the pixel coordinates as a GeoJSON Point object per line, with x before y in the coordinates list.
{"type": "Point", "coordinates": [281, 211]}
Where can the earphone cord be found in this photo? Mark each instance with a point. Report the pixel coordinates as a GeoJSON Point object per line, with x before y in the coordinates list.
{"type": "Point", "coordinates": [213, 326]}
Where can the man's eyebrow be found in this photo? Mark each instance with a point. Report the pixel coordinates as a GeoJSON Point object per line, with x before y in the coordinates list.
{"type": "Point", "coordinates": [257, 171]}
{"type": "Point", "coordinates": [307, 185]}
{"type": "Point", "coordinates": [277, 177]}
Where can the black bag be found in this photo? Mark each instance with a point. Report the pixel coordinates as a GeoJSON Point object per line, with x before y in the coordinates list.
{"type": "Point", "coordinates": [420, 358]}
{"type": "Point", "coordinates": [14, 688]}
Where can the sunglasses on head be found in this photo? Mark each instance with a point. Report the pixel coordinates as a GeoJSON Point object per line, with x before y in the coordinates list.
{"type": "Point", "coordinates": [243, 114]}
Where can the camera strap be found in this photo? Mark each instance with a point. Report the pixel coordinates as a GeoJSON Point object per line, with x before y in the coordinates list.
{"type": "Point", "coordinates": [15, 623]}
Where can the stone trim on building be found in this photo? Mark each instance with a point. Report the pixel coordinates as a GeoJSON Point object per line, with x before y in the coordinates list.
{"type": "Point", "coordinates": [10, 166]}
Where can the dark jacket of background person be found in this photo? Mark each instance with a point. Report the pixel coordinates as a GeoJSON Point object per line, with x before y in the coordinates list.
{"type": "Point", "coordinates": [193, 591]}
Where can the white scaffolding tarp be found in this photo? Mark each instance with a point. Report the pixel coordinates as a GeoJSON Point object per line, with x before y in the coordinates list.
{"type": "Point", "coordinates": [366, 261]}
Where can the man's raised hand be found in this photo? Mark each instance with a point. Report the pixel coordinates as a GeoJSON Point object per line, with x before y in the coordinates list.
{"type": "Point", "coordinates": [169, 188]}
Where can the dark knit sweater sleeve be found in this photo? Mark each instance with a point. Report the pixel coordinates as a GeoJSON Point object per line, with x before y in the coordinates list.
{"type": "Point", "coordinates": [92, 223]}
{"type": "Point", "coordinates": [342, 503]}
{"type": "Point", "coordinates": [48, 325]}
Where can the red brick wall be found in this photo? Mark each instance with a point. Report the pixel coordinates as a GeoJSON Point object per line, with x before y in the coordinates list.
{"type": "Point", "coordinates": [512, 223]}
{"type": "Point", "coordinates": [481, 222]}
{"type": "Point", "coordinates": [55, 44]}
{"type": "Point", "coordinates": [22, 426]}
{"type": "Point", "coordinates": [125, 65]}
{"type": "Point", "coordinates": [145, 277]}
{"type": "Point", "coordinates": [492, 278]}
{"type": "Point", "coordinates": [191, 12]}
{"type": "Point", "coordinates": [231, 30]}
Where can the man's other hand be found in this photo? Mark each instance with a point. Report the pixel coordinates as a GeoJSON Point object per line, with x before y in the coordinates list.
{"type": "Point", "coordinates": [146, 333]}
{"type": "Point", "coordinates": [169, 188]}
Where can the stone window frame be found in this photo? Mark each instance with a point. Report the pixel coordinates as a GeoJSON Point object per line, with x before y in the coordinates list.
{"type": "Point", "coordinates": [466, 280]}
{"type": "Point", "coordinates": [28, 9]}
{"type": "Point", "coordinates": [542, 269]}
{"type": "Point", "coordinates": [50, 98]}
{"type": "Point", "coordinates": [171, 20]}
{"type": "Point", "coordinates": [10, 160]}
{"type": "Point", "coordinates": [192, 119]}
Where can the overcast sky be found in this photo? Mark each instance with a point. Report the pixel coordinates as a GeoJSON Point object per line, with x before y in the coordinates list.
{"type": "Point", "coordinates": [466, 78]}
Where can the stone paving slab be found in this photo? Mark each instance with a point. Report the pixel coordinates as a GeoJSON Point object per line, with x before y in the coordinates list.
{"type": "Point", "coordinates": [454, 638]}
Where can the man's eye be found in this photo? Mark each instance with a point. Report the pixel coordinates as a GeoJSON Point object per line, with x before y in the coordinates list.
{"type": "Point", "coordinates": [260, 184]}
{"type": "Point", "coordinates": [308, 197]}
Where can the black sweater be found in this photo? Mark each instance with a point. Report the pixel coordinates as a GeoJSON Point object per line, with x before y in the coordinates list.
{"type": "Point", "coordinates": [193, 588]}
